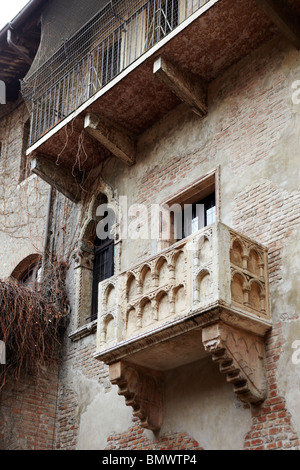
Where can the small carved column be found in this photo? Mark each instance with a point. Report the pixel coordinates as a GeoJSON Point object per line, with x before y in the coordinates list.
{"type": "Point", "coordinates": [240, 355]}
{"type": "Point", "coordinates": [142, 389]}
{"type": "Point", "coordinates": [83, 266]}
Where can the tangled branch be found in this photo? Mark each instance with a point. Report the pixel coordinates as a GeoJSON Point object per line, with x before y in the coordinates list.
{"type": "Point", "coordinates": [31, 323]}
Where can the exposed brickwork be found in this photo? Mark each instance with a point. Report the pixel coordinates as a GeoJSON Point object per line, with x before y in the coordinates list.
{"type": "Point", "coordinates": [80, 358]}
{"type": "Point", "coordinates": [271, 422]}
{"type": "Point", "coordinates": [28, 412]}
{"type": "Point", "coordinates": [256, 114]}
{"type": "Point", "coordinates": [135, 439]}
{"type": "Point", "coordinates": [270, 216]}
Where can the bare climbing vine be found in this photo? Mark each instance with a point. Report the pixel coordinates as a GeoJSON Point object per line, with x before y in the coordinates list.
{"type": "Point", "coordinates": [31, 322]}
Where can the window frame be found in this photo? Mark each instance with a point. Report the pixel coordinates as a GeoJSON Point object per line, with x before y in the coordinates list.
{"type": "Point", "coordinates": [105, 247]}
{"type": "Point", "coordinates": [195, 193]}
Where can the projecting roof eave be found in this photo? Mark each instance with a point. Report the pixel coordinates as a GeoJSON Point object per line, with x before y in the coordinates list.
{"type": "Point", "coordinates": [13, 66]}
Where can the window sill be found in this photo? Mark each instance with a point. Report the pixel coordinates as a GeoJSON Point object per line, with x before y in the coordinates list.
{"type": "Point", "coordinates": [83, 331]}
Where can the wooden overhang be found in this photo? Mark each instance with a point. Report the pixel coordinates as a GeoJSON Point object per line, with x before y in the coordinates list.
{"type": "Point", "coordinates": [16, 58]}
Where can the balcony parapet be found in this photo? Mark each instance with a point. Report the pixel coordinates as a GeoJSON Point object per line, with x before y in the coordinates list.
{"type": "Point", "coordinates": [207, 294]}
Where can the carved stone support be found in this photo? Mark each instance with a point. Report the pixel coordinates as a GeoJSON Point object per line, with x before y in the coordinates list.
{"type": "Point", "coordinates": [142, 389]}
{"type": "Point", "coordinates": [56, 176]}
{"type": "Point", "coordinates": [240, 355]}
{"type": "Point", "coordinates": [113, 137]}
{"type": "Point", "coordinates": [186, 86]}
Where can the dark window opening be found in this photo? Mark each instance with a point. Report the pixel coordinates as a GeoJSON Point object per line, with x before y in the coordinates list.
{"type": "Point", "coordinates": [195, 216]}
{"type": "Point", "coordinates": [31, 277]}
{"type": "Point", "coordinates": [103, 267]}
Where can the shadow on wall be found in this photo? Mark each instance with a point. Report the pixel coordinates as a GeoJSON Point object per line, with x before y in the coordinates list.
{"type": "Point", "coordinates": [199, 396]}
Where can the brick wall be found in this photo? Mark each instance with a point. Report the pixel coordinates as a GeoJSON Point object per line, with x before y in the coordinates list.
{"type": "Point", "coordinates": [78, 358]}
{"type": "Point", "coordinates": [28, 412]}
{"type": "Point", "coordinates": [135, 439]}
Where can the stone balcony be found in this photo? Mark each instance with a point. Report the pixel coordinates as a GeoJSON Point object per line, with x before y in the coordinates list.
{"type": "Point", "coordinates": [205, 295]}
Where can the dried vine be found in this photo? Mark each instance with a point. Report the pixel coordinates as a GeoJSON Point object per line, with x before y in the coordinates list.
{"type": "Point", "coordinates": [31, 323]}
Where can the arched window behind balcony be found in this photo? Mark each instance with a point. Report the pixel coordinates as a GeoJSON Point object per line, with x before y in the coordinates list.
{"type": "Point", "coordinates": [94, 258]}
{"type": "Point", "coordinates": [28, 271]}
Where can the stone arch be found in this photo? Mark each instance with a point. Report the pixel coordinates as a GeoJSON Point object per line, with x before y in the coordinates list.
{"type": "Point", "coordinates": [237, 252]}
{"type": "Point", "coordinates": [180, 298]}
{"type": "Point", "coordinates": [27, 271]}
{"type": "Point", "coordinates": [84, 257]}
{"type": "Point", "coordinates": [131, 286]}
{"type": "Point", "coordinates": [109, 329]}
{"type": "Point", "coordinates": [256, 295]}
{"type": "Point", "coordinates": [204, 249]}
{"type": "Point", "coordinates": [178, 262]}
{"type": "Point", "coordinates": [146, 278]}
{"type": "Point", "coordinates": [131, 321]}
{"type": "Point", "coordinates": [88, 228]}
{"type": "Point", "coordinates": [255, 261]}
{"type": "Point", "coordinates": [239, 285]}
{"type": "Point", "coordinates": [146, 312]}
{"type": "Point", "coordinates": [109, 296]}
{"type": "Point", "coordinates": [203, 283]}
{"type": "Point", "coordinates": [162, 270]}
{"type": "Point", "coordinates": [163, 304]}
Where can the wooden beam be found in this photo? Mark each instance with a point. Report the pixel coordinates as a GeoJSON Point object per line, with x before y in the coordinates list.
{"type": "Point", "coordinates": [118, 141]}
{"type": "Point", "coordinates": [188, 87]}
{"type": "Point", "coordinates": [284, 17]}
{"type": "Point", "coordinates": [56, 176]}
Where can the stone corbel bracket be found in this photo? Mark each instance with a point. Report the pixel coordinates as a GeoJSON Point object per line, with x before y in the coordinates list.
{"type": "Point", "coordinates": [240, 355]}
{"type": "Point", "coordinates": [189, 88]}
{"type": "Point", "coordinates": [143, 391]}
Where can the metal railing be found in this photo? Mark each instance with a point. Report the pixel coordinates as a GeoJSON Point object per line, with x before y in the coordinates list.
{"type": "Point", "coordinates": [88, 61]}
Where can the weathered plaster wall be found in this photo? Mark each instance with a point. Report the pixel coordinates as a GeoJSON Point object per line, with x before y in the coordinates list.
{"type": "Point", "coordinates": [22, 206]}
{"type": "Point", "coordinates": [27, 407]}
{"type": "Point", "coordinates": [205, 407]}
